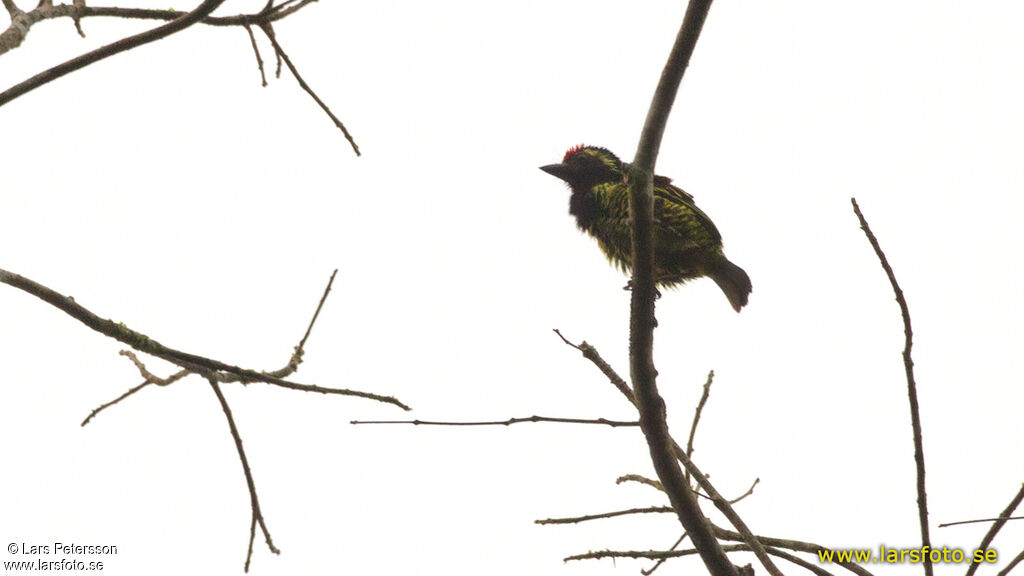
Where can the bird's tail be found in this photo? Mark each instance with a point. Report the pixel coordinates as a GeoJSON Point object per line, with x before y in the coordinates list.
{"type": "Point", "coordinates": [733, 281]}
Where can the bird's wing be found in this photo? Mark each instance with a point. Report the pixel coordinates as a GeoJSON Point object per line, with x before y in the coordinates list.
{"type": "Point", "coordinates": [663, 188]}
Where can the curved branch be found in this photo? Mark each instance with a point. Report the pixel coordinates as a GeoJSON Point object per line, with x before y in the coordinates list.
{"type": "Point", "coordinates": [640, 177]}
{"type": "Point", "coordinates": [208, 367]}
{"type": "Point", "coordinates": [908, 367]}
{"type": "Point", "coordinates": [47, 76]}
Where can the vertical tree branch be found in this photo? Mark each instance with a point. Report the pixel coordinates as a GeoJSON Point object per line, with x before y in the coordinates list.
{"type": "Point", "coordinates": [640, 177]}
{"type": "Point", "coordinates": [908, 365]}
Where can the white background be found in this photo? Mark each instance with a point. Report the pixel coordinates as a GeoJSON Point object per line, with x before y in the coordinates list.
{"type": "Point", "coordinates": [164, 188]}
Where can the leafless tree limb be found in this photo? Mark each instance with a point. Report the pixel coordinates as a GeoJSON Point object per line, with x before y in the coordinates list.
{"type": "Point", "coordinates": [662, 555]}
{"type": "Point", "coordinates": [989, 536]}
{"type": "Point", "coordinates": [640, 177]}
{"type": "Point", "coordinates": [794, 545]}
{"type": "Point", "coordinates": [176, 21]}
{"type": "Point", "coordinates": [257, 513]}
{"type": "Point", "coordinates": [717, 499]}
{"type": "Point", "coordinates": [207, 367]}
{"type": "Point", "coordinates": [148, 378]}
{"type": "Point", "coordinates": [660, 561]}
{"type": "Point", "coordinates": [908, 364]}
{"type": "Point", "coordinates": [268, 30]}
{"type": "Point", "coordinates": [590, 353]}
{"type": "Point", "coordinates": [510, 421]}
{"type": "Point", "coordinates": [604, 515]}
{"type": "Point", "coordinates": [178, 24]}
{"type": "Point", "coordinates": [696, 416]}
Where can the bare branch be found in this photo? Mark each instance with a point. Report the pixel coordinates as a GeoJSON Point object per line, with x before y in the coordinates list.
{"type": "Point", "coordinates": [77, 11]}
{"type": "Point", "coordinates": [696, 416]}
{"type": "Point", "coordinates": [510, 421]}
{"type": "Point", "coordinates": [640, 480]}
{"type": "Point", "coordinates": [208, 367]}
{"type": "Point", "coordinates": [257, 514]}
{"type": "Point", "coordinates": [692, 470]}
{"type": "Point", "coordinates": [640, 178]}
{"type": "Point", "coordinates": [578, 519]}
{"type": "Point", "coordinates": [795, 545]}
{"type": "Point", "coordinates": [148, 378]}
{"type": "Point", "coordinates": [660, 561]}
{"type": "Point", "coordinates": [296, 359]}
{"type": "Point", "coordinates": [12, 8]}
{"type": "Point", "coordinates": [662, 555]}
{"type": "Point", "coordinates": [268, 30]}
{"type": "Point", "coordinates": [256, 51]}
{"type": "Point", "coordinates": [176, 25]}
{"type": "Point", "coordinates": [590, 353]}
{"type": "Point", "coordinates": [130, 391]}
{"type": "Point", "coordinates": [908, 365]}
{"type": "Point", "coordinates": [1004, 517]}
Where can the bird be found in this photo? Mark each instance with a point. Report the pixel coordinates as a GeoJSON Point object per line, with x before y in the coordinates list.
{"type": "Point", "coordinates": [687, 245]}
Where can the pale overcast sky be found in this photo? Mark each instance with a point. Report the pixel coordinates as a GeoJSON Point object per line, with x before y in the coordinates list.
{"type": "Point", "coordinates": [164, 188]}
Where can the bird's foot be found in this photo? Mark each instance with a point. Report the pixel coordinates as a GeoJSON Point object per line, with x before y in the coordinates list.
{"type": "Point", "coordinates": [629, 287]}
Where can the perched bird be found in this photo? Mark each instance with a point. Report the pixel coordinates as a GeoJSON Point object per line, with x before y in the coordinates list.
{"type": "Point", "coordinates": [687, 245]}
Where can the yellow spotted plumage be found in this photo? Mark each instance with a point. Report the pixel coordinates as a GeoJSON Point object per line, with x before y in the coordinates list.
{"type": "Point", "coordinates": [687, 243]}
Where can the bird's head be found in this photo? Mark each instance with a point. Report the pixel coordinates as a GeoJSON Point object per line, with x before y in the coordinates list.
{"type": "Point", "coordinates": [584, 166]}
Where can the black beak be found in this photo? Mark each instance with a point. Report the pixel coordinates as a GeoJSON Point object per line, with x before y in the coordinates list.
{"type": "Point", "coordinates": [557, 170]}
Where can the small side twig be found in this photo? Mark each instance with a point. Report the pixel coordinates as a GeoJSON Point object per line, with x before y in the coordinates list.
{"type": "Point", "coordinates": [723, 505]}
{"type": "Point", "coordinates": [640, 480]}
{"type": "Point", "coordinates": [256, 51]}
{"type": "Point", "coordinates": [300, 350]}
{"type": "Point", "coordinates": [604, 515]}
{"type": "Point", "coordinates": [268, 30]}
{"type": "Point", "coordinates": [148, 378]}
{"type": "Point", "coordinates": [908, 365]}
{"type": "Point", "coordinates": [696, 416]}
{"type": "Point", "coordinates": [590, 353]}
{"type": "Point", "coordinates": [509, 422]}
{"type": "Point", "coordinates": [257, 513]}
{"type": "Point", "coordinates": [660, 561]}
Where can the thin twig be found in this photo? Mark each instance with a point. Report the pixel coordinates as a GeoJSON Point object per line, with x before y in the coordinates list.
{"type": "Point", "coordinates": [747, 493]}
{"type": "Point", "coordinates": [908, 365]}
{"type": "Point", "coordinates": [162, 31]}
{"type": "Point", "coordinates": [640, 480]}
{"type": "Point", "coordinates": [510, 421]}
{"type": "Point", "coordinates": [300, 350]}
{"type": "Point", "coordinates": [268, 30]}
{"type": "Point", "coordinates": [980, 521]}
{"type": "Point", "coordinates": [208, 367]}
{"type": "Point", "coordinates": [77, 11]}
{"type": "Point", "coordinates": [103, 407]}
{"type": "Point", "coordinates": [256, 51]}
{"type": "Point", "coordinates": [660, 561]}
{"type": "Point", "coordinates": [257, 514]}
{"type": "Point", "coordinates": [794, 545]}
{"type": "Point", "coordinates": [696, 416]}
{"type": "Point", "coordinates": [1004, 517]}
{"type": "Point", "coordinates": [602, 516]}
{"type": "Point", "coordinates": [719, 501]}
{"type": "Point", "coordinates": [148, 378]}
{"type": "Point", "coordinates": [590, 353]}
